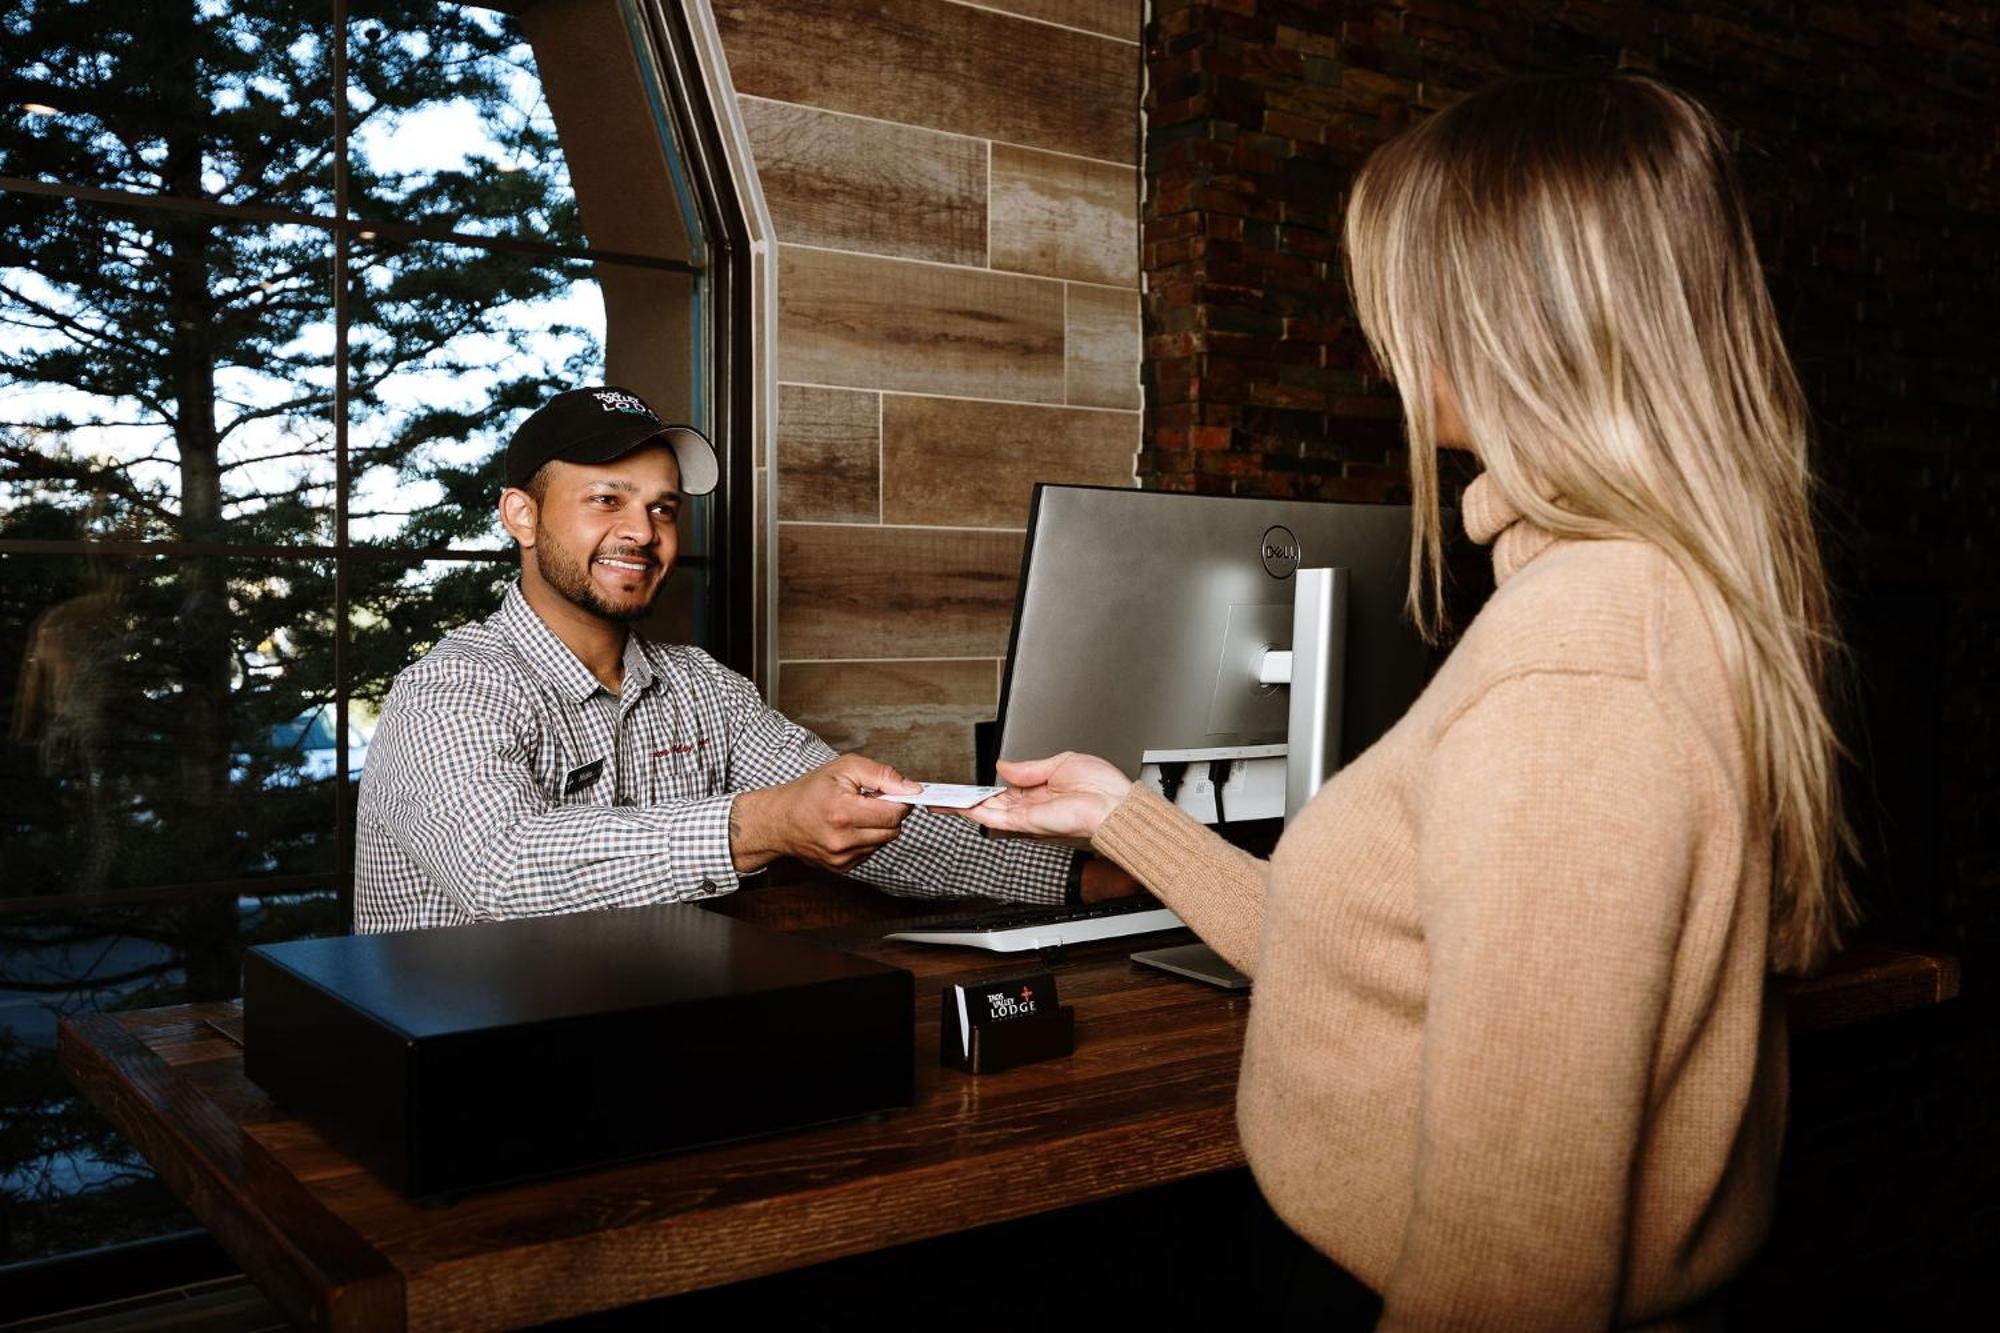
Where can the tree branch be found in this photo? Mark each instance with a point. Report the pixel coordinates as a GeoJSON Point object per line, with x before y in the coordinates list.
{"type": "Point", "coordinates": [323, 451]}
{"type": "Point", "coordinates": [248, 415]}
{"type": "Point", "coordinates": [61, 322]}
{"type": "Point", "coordinates": [44, 467]}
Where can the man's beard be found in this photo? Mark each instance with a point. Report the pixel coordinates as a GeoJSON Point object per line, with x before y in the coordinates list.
{"type": "Point", "coordinates": [571, 577]}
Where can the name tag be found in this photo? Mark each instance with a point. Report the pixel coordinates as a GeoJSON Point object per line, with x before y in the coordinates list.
{"type": "Point", "coordinates": [579, 778]}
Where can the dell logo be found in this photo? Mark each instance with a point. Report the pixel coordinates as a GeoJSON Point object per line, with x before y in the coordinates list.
{"type": "Point", "coordinates": [1280, 550]}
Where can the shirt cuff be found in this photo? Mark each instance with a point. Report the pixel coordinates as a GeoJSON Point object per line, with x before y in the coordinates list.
{"type": "Point", "coordinates": [698, 847]}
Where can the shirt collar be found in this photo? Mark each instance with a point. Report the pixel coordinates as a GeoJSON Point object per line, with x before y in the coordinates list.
{"type": "Point", "coordinates": [639, 672]}
{"type": "Point", "coordinates": [551, 659]}
{"type": "Point", "coordinates": [1491, 517]}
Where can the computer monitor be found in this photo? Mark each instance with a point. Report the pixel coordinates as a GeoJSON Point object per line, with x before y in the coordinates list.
{"type": "Point", "coordinates": [1151, 629]}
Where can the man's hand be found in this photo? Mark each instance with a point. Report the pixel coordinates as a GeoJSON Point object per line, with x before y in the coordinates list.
{"type": "Point", "coordinates": [822, 817]}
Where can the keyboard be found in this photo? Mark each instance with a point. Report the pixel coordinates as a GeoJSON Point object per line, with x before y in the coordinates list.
{"type": "Point", "coordinates": [1014, 929]}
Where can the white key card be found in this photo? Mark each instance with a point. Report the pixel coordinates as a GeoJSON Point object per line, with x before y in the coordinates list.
{"type": "Point", "coordinates": [943, 795]}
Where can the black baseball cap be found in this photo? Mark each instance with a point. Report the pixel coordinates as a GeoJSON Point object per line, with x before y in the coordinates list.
{"type": "Point", "coordinates": [600, 424]}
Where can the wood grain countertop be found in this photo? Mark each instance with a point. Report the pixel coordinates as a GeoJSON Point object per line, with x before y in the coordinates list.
{"type": "Point", "coordinates": [1147, 1099]}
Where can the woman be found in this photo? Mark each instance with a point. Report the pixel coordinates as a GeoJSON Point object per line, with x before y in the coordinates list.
{"type": "Point", "coordinates": [1512, 1061]}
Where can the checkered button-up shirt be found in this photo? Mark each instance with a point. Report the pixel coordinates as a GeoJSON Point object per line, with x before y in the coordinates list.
{"type": "Point", "coordinates": [504, 780]}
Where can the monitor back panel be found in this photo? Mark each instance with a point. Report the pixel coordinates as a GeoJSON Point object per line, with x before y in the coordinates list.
{"type": "Point", "coordinates": [1134, 603]}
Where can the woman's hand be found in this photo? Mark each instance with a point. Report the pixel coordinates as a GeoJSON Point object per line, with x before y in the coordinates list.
{"type": "Point", "coordinates": [1064, 796]}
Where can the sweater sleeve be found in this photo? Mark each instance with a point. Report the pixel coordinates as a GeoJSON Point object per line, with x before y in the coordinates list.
{"type": "Point", "coordinates": [1555, 852]}
{"type": "Point", "coordinates": [1216, 888]}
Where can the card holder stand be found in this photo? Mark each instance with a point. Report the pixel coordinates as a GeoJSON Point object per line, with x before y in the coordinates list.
{"type": "Point", "coordinates": [998, 1046]}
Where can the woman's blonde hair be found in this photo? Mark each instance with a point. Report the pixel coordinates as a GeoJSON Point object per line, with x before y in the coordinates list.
{"type": "Point", "coordinates": [1571, 258]}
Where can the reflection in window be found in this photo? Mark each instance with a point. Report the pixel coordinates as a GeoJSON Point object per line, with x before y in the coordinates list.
{"type": "Point", "coordinates": [151, 708]}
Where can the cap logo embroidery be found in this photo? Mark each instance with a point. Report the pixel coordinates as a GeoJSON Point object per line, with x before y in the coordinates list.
{"type": "Point", "coordinates": [613, 401]}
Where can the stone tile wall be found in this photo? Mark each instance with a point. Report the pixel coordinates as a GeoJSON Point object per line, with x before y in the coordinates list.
{"type": "Point", "coordinates": [955, 192]}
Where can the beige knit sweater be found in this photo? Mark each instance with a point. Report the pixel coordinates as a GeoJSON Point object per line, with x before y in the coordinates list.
{"type": "Point", "coordinates": [1510, 1058]}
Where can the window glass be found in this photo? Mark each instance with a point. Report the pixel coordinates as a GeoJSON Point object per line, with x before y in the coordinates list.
{"type": "Point", "coordinates": [400, 610]}
{"type": "Point", "coordinates": [534, 124]}
{"type": "Point", "coordinates": [450, 346]}
{"type": "Point", "coordinates": [193, 476]}
{"type": "Point", "coordinates": [165, 718]}
{"type": "Point", "coordinates": [193, 98]}
{"type": "Point", "coordinates": [166, 376]}
{"type": "Point", "coordinates": [167, 774]}
{"type": "Point", "coordinates": [453, 344]}
{"type": "Point", "coordinates": [448, 126]}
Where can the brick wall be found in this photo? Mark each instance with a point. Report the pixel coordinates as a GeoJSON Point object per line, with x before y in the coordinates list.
{"type": "Point", "coordinates": [1867, 136]}
{"type": "Point", "coordinates": [1256, 378]}
{"type": "Point", "coordinates": [955, 191]}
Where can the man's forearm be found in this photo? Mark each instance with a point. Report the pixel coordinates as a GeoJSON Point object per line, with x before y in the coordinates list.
{"type": "Point", "coordinates": [754, 838]}
{"type": "Point", "coordinates": [1099, 879]}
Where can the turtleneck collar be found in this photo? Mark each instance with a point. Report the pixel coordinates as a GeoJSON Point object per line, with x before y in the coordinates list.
{"type": "Point", "coordinates": [1491, 517]}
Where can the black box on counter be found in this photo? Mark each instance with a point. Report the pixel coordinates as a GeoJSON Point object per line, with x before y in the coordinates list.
{"type": "Point", "coordinates": [467, 1056]}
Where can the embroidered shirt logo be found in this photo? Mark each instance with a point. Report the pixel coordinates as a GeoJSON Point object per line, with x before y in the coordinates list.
{"type": "Point", "coordinates": [613, 401]}
{"type": "Point", "coordinates": [683, 747]}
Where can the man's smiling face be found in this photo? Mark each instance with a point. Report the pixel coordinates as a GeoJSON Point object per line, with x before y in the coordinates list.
{"type": "Point", "coordinates": [603, 534]}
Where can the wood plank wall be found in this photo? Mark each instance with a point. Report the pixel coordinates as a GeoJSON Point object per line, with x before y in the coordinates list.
{"type": "Point", "coordinates": [954, 188]}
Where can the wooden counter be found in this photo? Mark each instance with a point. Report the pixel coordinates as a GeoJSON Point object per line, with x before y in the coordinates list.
{"type": "Point", "coordinates": [1147, 1099]}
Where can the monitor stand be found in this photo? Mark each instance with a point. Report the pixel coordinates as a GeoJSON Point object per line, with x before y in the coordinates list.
{"type": "Point", "coordinates": [1267, 781]}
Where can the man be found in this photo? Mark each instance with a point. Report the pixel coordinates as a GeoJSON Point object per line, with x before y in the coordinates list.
{"type": "Point", "coordinates": [550, 759]}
